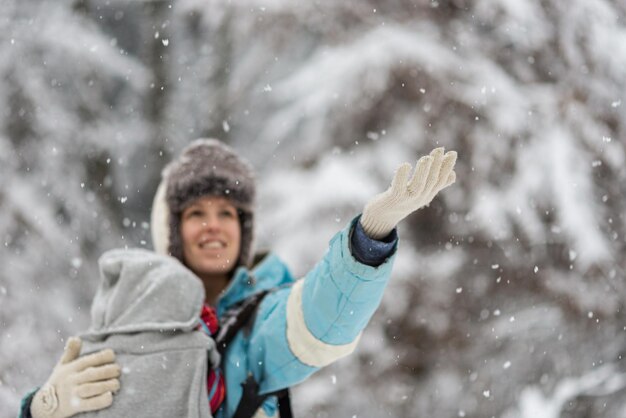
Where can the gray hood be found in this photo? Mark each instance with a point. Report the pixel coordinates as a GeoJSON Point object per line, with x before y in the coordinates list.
{"type": "Point", "coordinates": [143, 291]}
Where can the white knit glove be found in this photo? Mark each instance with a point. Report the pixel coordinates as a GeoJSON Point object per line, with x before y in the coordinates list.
{"type": "Point", "coordinates": [77, 384]}
{"type": "Point", "coordinates": [432, 173]}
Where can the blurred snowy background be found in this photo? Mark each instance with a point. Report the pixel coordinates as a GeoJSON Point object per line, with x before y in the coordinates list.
{"type": "Point", "coordinates": [508, 295]}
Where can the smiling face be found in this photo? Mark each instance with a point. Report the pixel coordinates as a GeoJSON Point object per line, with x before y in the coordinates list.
{"type": "Point", "coordinates": [211, 235]}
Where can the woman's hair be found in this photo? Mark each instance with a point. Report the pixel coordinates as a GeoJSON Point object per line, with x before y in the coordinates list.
{"type": "Point", "coordinates": [206, 167]}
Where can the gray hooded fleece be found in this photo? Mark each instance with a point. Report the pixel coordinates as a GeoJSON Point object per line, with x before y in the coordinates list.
{"type": "Point", "coordinates": [147, 310]}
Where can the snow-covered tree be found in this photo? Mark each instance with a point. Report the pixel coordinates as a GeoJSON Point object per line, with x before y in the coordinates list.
{"type": "Point", "coordinates": [68, 116]}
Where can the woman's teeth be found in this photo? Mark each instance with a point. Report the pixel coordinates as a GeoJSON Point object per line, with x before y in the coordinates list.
{"type": "Point", "coordinates": [212, 245]}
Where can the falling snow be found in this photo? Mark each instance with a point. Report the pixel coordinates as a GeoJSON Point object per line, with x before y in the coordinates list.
{"type": "Point", "coordinates": [513, 272]}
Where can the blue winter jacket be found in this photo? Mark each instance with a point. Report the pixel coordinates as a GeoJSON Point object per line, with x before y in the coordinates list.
{"type": "Point", "coordinates": [303, 327]}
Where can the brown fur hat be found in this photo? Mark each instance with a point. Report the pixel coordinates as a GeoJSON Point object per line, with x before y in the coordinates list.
{"type": "Point", "coordinates": [205, 167]}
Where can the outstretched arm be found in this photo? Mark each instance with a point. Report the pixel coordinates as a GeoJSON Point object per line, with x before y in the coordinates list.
{"type": "Point", "coordinates": [319, 319]}
{"type": "Point", "coordinates": [327, 311]}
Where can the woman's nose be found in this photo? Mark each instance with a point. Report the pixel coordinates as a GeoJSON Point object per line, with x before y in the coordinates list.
{"type": "Point", "coordinates": [211, 223]}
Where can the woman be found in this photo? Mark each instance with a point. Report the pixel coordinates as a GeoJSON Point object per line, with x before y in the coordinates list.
{"type": "Point", "coordinates": [203, 215]}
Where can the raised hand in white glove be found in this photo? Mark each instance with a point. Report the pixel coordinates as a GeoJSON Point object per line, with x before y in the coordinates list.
{"type": "Point", "coordinates": [433, 173]}
{"type": "Point", "coordinates": [77, 384]}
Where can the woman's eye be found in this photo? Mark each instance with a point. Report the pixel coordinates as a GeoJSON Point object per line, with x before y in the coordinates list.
{"type": "Point", "coordinates": [228, 213]}
{"type": "Point", "coordinates": [194, 213]}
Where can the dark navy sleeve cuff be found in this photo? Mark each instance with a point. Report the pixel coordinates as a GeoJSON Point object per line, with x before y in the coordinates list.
{"type": "Point", "coordinates": [25, 406]}
{"type": "Point", "coordinates": [370, 251]}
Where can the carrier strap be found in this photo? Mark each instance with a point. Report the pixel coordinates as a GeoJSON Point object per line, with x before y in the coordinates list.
{"type": "Point", "coordinates": [232, 322]}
